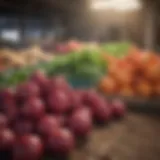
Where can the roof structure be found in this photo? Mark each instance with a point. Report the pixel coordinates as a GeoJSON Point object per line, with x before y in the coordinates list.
{"type": "Point", "coordinates": [49, 7]}
{"type": "Point", "coordinates": [40, 7]}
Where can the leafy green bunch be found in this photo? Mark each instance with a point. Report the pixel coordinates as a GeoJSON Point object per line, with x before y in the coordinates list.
{"type": "Point", "coordinates": [86, 64]}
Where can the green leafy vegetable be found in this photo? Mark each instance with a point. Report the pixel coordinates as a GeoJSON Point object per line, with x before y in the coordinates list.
{"type": "Point", "coordinates": [116, 49]}
{"type": "Point", "coordinates": [85, 64]}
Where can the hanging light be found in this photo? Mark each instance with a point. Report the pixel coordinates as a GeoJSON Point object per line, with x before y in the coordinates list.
{"type": "Point", "coordinates": [120, 5]}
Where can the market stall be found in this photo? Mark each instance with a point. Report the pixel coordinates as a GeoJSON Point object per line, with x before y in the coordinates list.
{"type": "Point", "coordinates": [77, 99]}
{"type": "Point", "coordinates": [61, 101]}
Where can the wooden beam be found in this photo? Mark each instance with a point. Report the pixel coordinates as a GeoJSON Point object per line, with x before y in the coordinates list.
{"type": "Point", "coordinates": [150, 27]}
{"type": "Point", "coordinates": [45, 7]}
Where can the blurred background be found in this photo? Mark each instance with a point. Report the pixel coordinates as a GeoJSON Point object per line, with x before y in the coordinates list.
{"type": "Point", "coordinates": [42, 22]}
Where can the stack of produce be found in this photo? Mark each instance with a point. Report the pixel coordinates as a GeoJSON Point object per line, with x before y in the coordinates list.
{"type": "Point", "coordinates": [83, 67]}
{"type": "Point", "coordinates": [86, 65]}
{"type": "Point", "coordinates": [48, 115]}
{"type": "Point", "coordinates": [137, 74]}
{"type": "Point", "coordinates": [117, 50]}
{"type": "Point", "coordinates": [17, 59]}
{"type": "Point", "coordinates": [69, 46]}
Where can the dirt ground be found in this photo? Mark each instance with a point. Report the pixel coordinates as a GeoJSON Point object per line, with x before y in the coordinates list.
{"type": "Point", "coordinates": [136, 137]}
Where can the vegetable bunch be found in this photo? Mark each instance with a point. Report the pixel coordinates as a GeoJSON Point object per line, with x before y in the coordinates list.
{"type": "Point", "coordinates": [117, 50]}
{"type": "Point", "coordinates": [86, 64]}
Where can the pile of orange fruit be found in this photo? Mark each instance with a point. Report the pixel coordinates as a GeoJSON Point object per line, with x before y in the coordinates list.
{"type": "Point", "coordinates": [137, 74]}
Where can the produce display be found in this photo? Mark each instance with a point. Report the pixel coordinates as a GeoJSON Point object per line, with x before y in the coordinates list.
{"type": "Point", "coordinates": [69, 46]}
{"type": "Point", "coordinates": [16, 59]}
{"type": "Point", "coordinates": [117, 50]}
{"type": "Point", "coordinates": [84, 65]}
{"type": "Point", "coordinates": [48, 104]}
{"type": "Point", "coordinates": [46, 115]}
{"type": "Point", "coordinates": [119, 68]}
{"type": "Point", "coordinates": [31, 56]}
{"type": "Point", "coordinates": [137, 74]}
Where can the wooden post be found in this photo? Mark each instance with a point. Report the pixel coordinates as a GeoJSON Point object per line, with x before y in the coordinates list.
{"type": "Point", "coordinates": [149, 28]}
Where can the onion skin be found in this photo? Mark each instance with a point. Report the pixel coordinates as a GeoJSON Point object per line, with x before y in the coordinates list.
{"type": "Point", "coordinates": [28, 147]}
{"type": "Point", "coordinates": [46, 124]}
{"type": "Point", "coordinates": [60, 141]}
{"type": "Point", "coordinates": [7, 95]}
{"type": "Point", "coordinates": [80, 122]}
{"type": "Point", "coordinates": [11, 111]}
{"type": "Point", "coordinates": [3, 121]}
{"type": "Point", "coordinates": [23, 127]}
{"type": "Point", "coordinates": [33, 108]}
{"type": "Point", "coordinates": [7, 139]}
{"type": "Point", "coordinates": [58, 101]}
{"type": "Point", "coordinates": [118, 108]}
{"type": "Point", "coordinates": [27, 90]}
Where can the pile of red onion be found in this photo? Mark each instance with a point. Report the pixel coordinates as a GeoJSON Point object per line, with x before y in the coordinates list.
{"type": "Point", "coordinates": [47, 114]}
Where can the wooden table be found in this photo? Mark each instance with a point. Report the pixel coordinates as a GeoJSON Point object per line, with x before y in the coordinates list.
{"type": "Point", "coordinates": [136, 137]}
